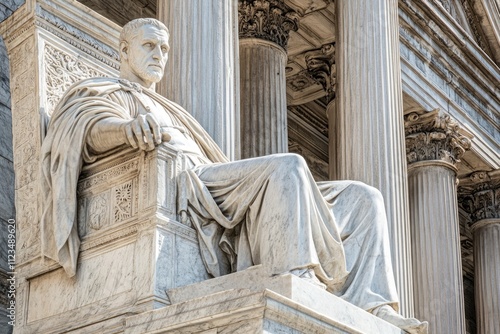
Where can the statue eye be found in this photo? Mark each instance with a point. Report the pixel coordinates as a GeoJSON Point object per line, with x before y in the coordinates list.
{"type": "Point", "coordinates": [148, 44]}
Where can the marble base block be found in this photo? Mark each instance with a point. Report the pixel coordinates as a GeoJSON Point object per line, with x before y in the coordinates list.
{"type": "Point", "coordinates": [251, 302]}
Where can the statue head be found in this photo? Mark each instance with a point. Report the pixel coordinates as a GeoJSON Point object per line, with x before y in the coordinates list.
{"type": "Point", "coordinates": [144, 51]}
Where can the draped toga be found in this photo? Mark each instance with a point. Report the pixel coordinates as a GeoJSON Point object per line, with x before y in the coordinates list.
{"type": "Point", "coordinates": [266, 210]}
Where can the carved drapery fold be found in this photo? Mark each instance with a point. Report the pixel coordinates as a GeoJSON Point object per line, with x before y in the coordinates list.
{"type": "Point", "coordinates": [270, 20]}
{"type": "Point", "coordinates": [433, 136]}
{"type": "Point", "coordinates": [321, 66]}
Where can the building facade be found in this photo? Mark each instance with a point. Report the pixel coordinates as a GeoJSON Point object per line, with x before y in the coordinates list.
{"type": "Point", "coordinates": [403, 95]}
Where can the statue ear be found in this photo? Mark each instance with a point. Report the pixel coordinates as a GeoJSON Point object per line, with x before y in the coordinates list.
{"type": "Point", "coordinates": [124, 50]}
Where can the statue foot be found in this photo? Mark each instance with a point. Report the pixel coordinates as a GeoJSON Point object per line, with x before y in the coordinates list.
{"type": "Point", "coordinates": [308, 275]}
{"type": "Point", "coordinates": [409, 325]}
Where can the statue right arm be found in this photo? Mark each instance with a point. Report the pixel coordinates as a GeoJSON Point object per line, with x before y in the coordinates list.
{"type": "Point", "coordinates": [142, 132]}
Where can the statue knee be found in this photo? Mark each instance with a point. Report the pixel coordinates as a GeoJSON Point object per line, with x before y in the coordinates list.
{"type": "Point", "coordinates": [288, 168]}
{"type": "Point", "coordinates": [291, 163]}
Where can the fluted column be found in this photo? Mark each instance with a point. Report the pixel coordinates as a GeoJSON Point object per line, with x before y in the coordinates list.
{"type": "Point", "coordinates": [263, 32]}
{"type": "Point", "coordinates": [202, 71]}
{"type": "Point", "coordinates": [369, 132]}
{"type": "Point", "coordinates": [434, 144]}
{"type": "Point", "coordinates": [479, 195]}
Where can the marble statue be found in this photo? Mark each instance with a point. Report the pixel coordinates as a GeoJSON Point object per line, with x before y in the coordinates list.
{"type": "Point", "coordinates": [266, 210]}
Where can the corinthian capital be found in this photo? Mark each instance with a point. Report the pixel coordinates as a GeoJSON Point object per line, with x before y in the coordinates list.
{"type": "Point", "coordinates": [432, 136]}
{"type": "Point", "coordinates": [479, 195]}
{"type": "Point", "coordinates": [270, 20]}
{"type": "Point", "coordinates": [321, 66]}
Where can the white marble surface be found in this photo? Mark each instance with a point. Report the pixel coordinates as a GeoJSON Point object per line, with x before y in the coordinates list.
{"type": "Point", "coordinates": [369, 131]}
{"type": "Point", "coordinates": [487, 261]}
{"type": "Point", "coordinates": [437, 267]}
{"type": "Point", "coordinates": [249, 300]}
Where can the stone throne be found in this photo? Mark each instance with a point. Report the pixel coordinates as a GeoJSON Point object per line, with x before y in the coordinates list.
{"type": "Point", "coordinates": [133, 247]}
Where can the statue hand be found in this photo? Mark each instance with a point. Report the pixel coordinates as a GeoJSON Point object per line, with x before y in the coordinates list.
{"type": "Point", "coordinates": [143, 132]}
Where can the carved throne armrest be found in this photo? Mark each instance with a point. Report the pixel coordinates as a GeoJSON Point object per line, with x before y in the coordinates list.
{"type": "Point", "coordinates": [126, 187]}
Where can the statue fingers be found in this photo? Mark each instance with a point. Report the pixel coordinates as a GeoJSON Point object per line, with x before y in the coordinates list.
{"type": "Point", "coordinates": [139, 135]}
{"type": "Point", "coordinates": [130, 136]}
{"type": "Point", "coordinates": [147, 136]}
{"type": "Point", "coordinates": [155, 127]}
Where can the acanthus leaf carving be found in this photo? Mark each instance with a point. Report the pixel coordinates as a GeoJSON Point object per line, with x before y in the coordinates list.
{"type": "Point", "coordinates": [61, 71]}
{"type": "Point", "coordinates": [479, 195]}
{"type": "Point", "coordinates": [270, 20]}
{"type": "Point", "coordinates": [321, 66]}
{"type": "Point", "coordinates": [432, 136]}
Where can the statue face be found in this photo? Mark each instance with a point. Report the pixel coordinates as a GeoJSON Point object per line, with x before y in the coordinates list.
{"type": "Point", "coordinates": [147, 55]}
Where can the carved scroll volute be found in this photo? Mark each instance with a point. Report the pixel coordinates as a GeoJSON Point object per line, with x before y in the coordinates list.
{"type": "Point", "coordinates": [432, 136]}
{"type": "Point", "coordinates": [321, 66]}
{"type": "Point", "coordinates": [270, 20]}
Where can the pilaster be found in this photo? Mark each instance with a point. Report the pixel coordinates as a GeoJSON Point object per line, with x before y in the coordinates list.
{"type": "Point", "coordinates": [203, 67]}
{"type": "Point", "coordinates": [479, 196]}
{"type": "Point", "coordinates": [264, 27]}
{"type": "Point", "coordinates": [369, 131]}
{"type": "Point", "coordinates": [434, 144]}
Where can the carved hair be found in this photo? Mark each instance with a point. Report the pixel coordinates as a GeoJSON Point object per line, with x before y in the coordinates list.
{"type": "Point", "coordinates": [131, 29]}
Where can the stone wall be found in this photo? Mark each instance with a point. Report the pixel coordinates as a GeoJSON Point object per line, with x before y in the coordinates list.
{"type": "Point", "coordinates": [7, 209]}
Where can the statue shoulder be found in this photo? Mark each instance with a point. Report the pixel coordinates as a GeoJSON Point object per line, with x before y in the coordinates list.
{"type": "Point", "coordinates": [97, 83]}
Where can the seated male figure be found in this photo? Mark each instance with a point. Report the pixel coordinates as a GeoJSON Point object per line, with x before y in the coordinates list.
{"type": "Point", "coordinates": [265, 211]}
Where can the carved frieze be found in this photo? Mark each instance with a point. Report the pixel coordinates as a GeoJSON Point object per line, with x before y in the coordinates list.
{"type": "Point", "coordinates": [432, 136]}
{"type": "Point", "coordinates": [271, 20]}
{"type": "Point", "coordinates": [61, 71]}
{"type": "Point", "coordinates": [479, 195]}
{"type": "Point", "coordinates": [321, 66]}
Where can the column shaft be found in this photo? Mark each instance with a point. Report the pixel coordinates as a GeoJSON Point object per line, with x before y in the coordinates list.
{"type": "Point", "coordinates": [202, 71]}
{"type": "Point", "coordinates": [263, 98]}
{"type": "Point", "coordinates": [487, 277]}
{"type": "Point", "coordinates": [437, 267]}
{"type": "Point", "coordinates": [369, 132]}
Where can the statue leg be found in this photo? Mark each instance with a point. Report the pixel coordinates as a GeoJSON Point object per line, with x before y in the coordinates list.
{"type": "Point", "coordinates": [360, 217]}
{"type": "Point", "coordinates": [283, 221]}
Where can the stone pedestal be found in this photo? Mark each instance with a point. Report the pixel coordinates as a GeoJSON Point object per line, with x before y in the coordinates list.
{"type": "Point", "coordinates": [263, 31]}
{"type": "Point", "coordinates": [479, 196]}
{"type": "Point", "coordinates": [250, 302]}
{"type": "Point", "coordinates": [369, 132]}
{"type": "Point", "coordinates": [434, 144]}
{"type": "Point", "coordinates": [202, 71]}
